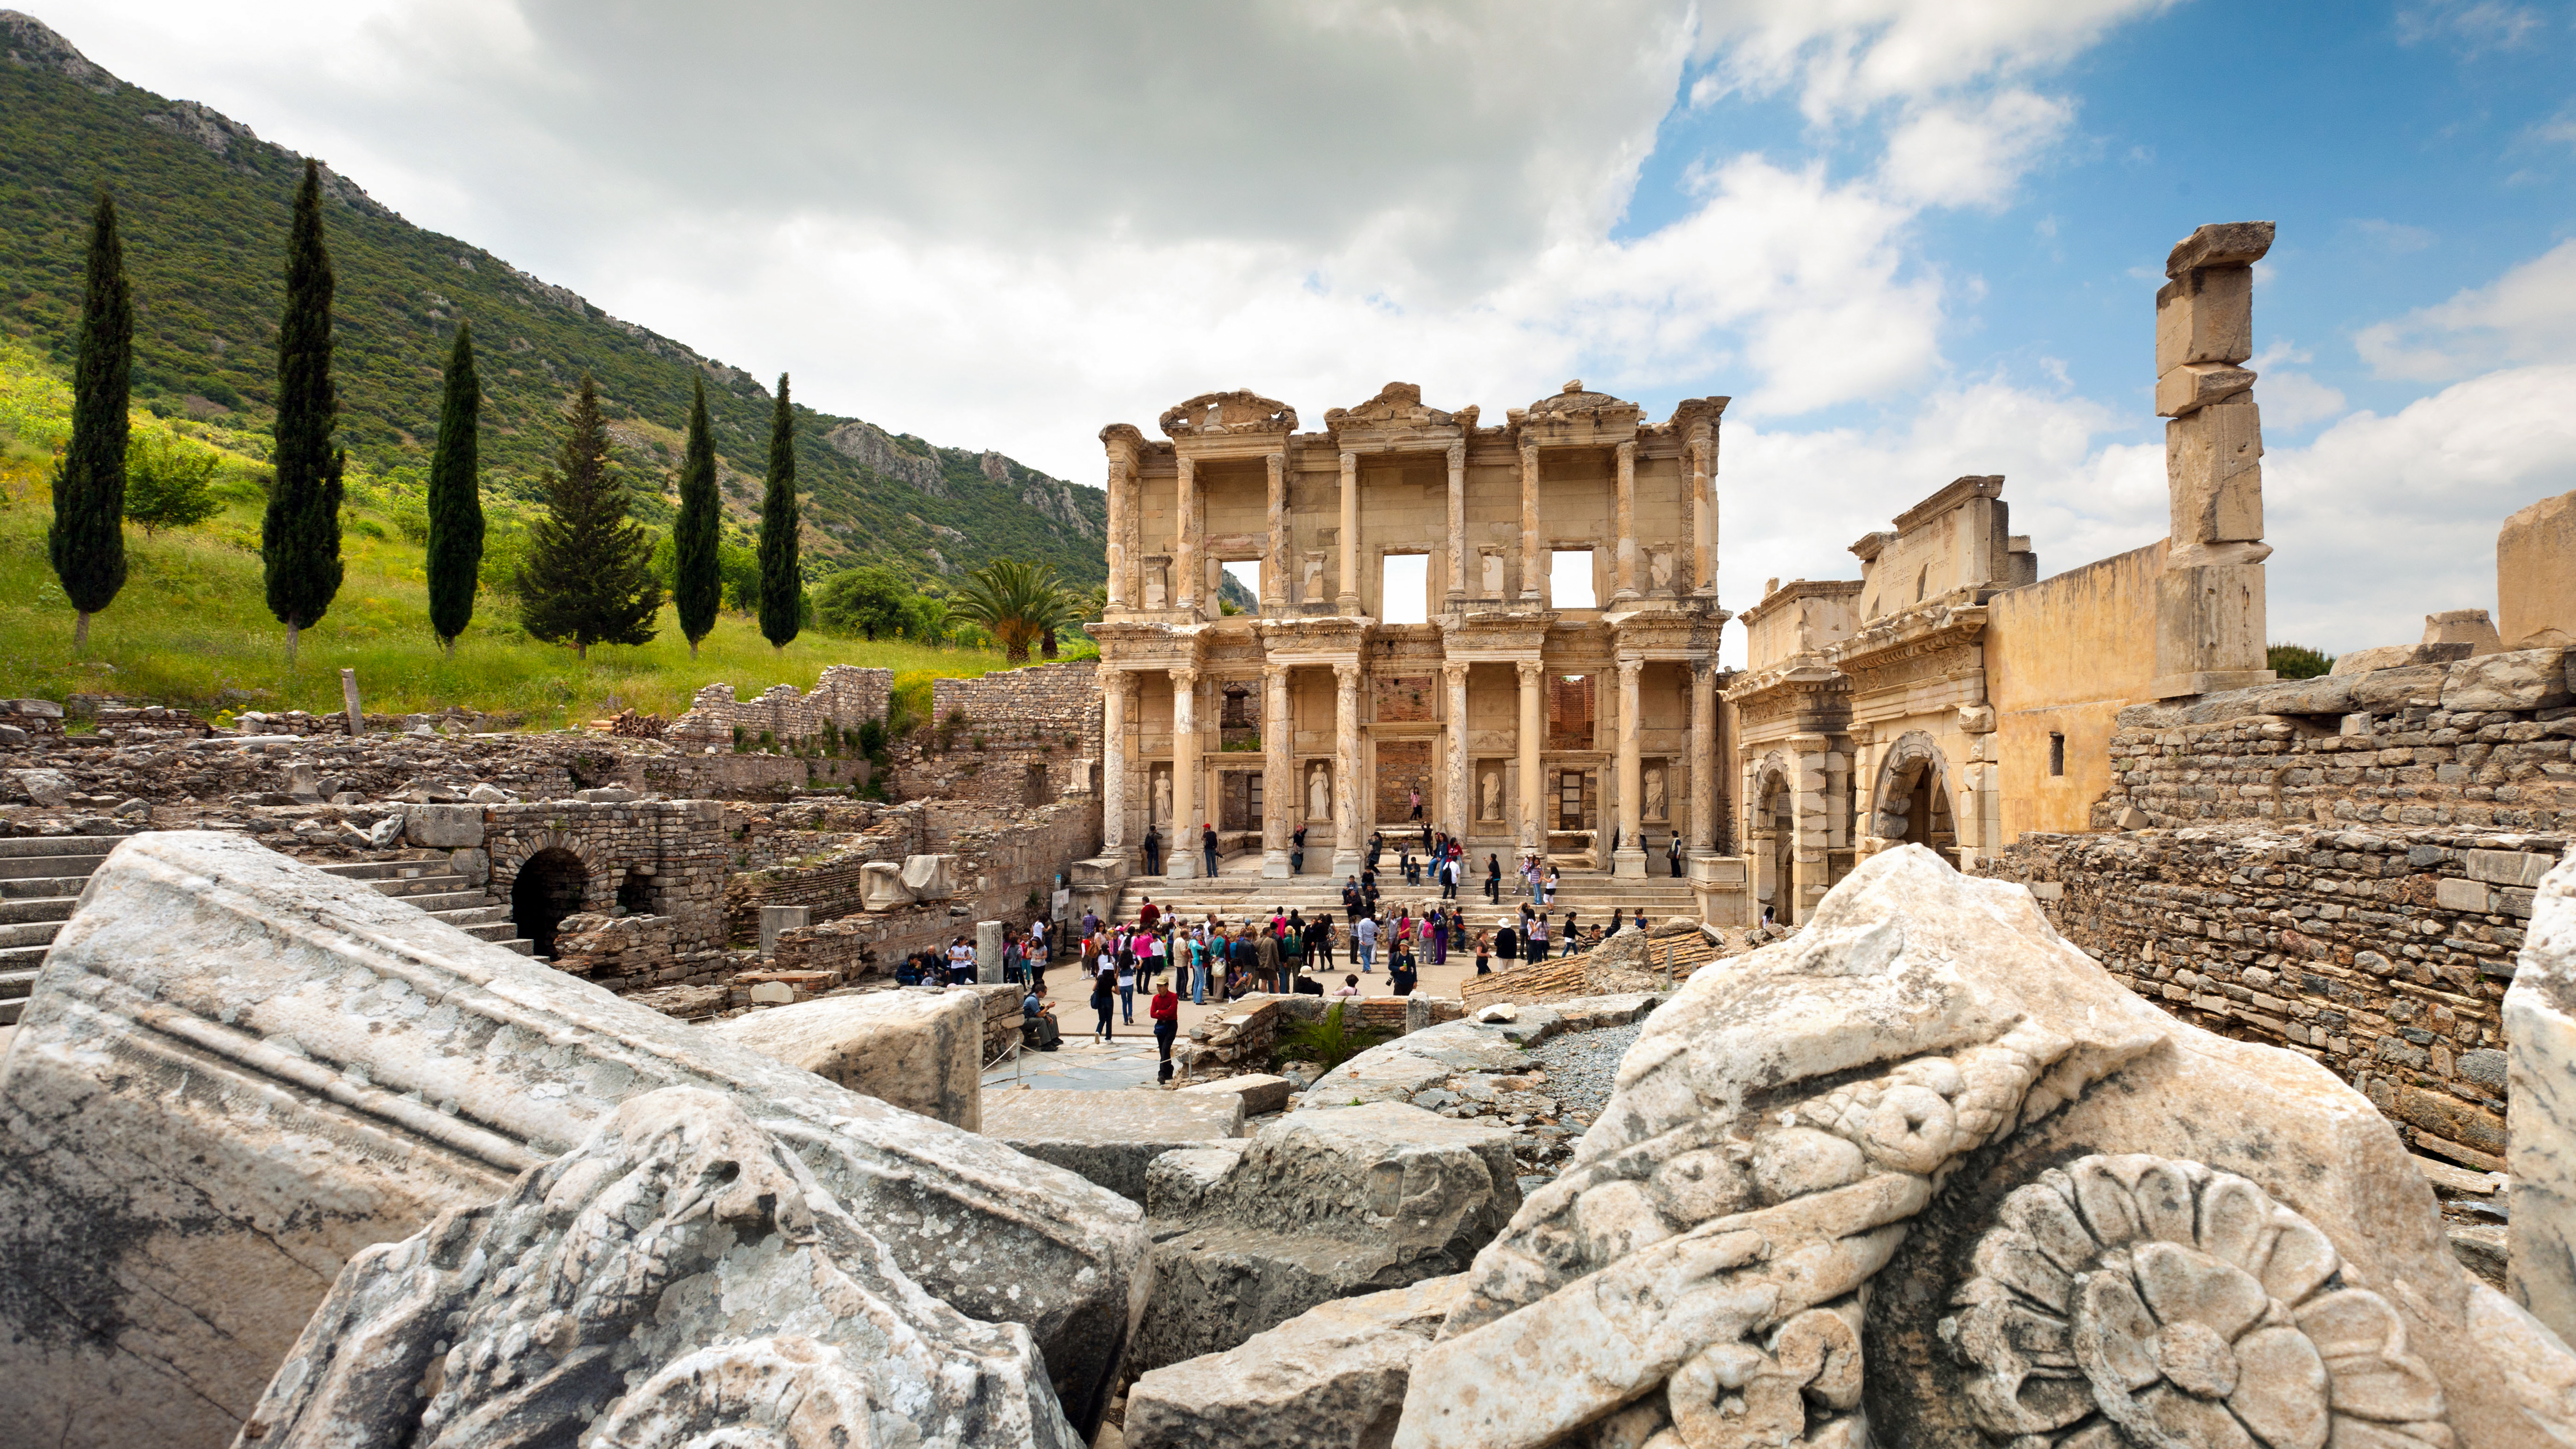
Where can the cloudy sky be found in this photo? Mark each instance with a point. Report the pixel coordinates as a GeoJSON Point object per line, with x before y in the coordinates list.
{"type": "Point", "coordinates": [1911, 238]}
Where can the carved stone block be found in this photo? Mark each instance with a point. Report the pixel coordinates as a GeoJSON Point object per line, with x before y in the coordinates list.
{"type": "Point", "coordinates": [2214, 473]}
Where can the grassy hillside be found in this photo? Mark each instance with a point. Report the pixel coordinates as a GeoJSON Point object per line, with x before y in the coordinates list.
{"type": "Point", "coordinates": [205, 208]}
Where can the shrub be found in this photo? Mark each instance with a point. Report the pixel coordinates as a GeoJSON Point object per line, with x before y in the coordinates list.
{"type": "Point", "coordinates": [2297, 661]}
{"type": "Point", "coordinates": [1329, 1042]}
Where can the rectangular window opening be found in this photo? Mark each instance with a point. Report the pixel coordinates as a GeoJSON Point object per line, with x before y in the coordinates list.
{"type": "Point", "coordinates": [1569, 579]}
{"type": "Point", "coordinates": [2056, 754]}
{"type": "Point", "coordinates": [1404, 588]}
{"type": "Point", "coordinates": [1241, 587]}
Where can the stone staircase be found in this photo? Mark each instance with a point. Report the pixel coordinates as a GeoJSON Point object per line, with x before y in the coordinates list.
{"type": "Point", "coordinates": [1232, 896]}
{"type": "Point", "coordinates": [41, 879]}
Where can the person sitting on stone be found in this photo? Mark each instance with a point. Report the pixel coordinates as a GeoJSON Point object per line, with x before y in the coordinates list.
{"type": "Point", "coordinates": [1038, 1029]}
{"type": "Point", "coordinates": [1349, 990]}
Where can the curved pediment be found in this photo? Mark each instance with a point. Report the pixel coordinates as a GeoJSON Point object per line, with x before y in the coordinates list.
{"type": "Point", "coordinates": [1225, 414]}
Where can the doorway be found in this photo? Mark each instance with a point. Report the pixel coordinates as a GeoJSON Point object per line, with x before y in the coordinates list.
{"type": "Point", "coordinates": [549, 888]}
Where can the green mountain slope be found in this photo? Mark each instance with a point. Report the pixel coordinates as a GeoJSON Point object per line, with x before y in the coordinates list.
{"type": "Point", "coordinates": [204, 208]}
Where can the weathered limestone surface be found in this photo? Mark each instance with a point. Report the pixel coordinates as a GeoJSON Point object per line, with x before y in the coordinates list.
{"type": "Point", "coordinates": [682, 1277]}
{"type": "Point", "coordinates": [1109, 1137]}
{"type": "Point", "coordinates": [2540, 1050]}
{"type": "Point", "coordinates": [1331, 1378]}
{"type": "Point", "coordinates": [923, 1051]}
{"type": "Point", "coordinates": [1317, 1206]}
{"type": "Point", "coordinates": [2262, 1264]}
{"type": "Point", "coordinates": [236, 1072]}
{"type": "Point", "coordinates": [2535, 589]}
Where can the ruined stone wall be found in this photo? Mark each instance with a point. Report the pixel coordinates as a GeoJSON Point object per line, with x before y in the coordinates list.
{"type": "Point", "coordinates": [2482, 743]}
{"type": "Point", "coordinates": [729, 776]}
{"type": "Point", "coordinates": [674, 851]}
{"type": "Point", "coordinates": [2383, 954]}
{"type": "Point", "coordinates": [1023, 737]}
{"type": "Point", "coordinates": [845, 697]}
{"type": "Point", "coordinates": [994, 869]}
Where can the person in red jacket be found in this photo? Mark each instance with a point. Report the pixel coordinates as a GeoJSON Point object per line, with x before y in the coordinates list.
{"type": "Point", "coordinates": [1166, 1015]}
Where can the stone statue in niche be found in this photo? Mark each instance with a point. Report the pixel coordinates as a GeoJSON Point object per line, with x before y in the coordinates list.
{"type": "Point", "coordinates": [1163, 801]}
{"type": "Point", "coordinates": [1155, 592]}
{"type": "Point", "coordinates": [1493, 585]}
{"type": "Point", "coordinates": [1319, 794]}
{"type": "Point", "coordinates": [1659, 569]}
{"type": "Point", "coordinates": [1493, 797]}
{"type": "Point", "coordinates": [1312, 590]}
{"type": "Point", "coordinates": [1655, 793]}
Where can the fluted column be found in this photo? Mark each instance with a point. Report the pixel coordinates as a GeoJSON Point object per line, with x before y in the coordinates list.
{"type": "Point", "coordinates": [1186, 569]}
{"type": "Point", "coordinates": [1703, 515]}
{"type": "Point", "coordinates": [1117, 693]}
{"type": "Point", "coordinates": [1703, 757]}
{"type": "Point", "coordinates": [1278, 771]}
{"type": "Point", "coordinates": [1457, 591]}
{"type": "Point", "coordinates": [1625, 589]}
{"type": "Point", "coordinates": [1630, 858]}
{"type": "Point", "coordinates": [1533, 827]}
{"type": "Point", "coordinates": [1350, 837]}
{"type": "Point", "coordinates": [1181, 854]}
{"type": "Point", "coordinates": [1347, 592]}
{"type": "Point", "coordinates": [1122, 509]}
{"type": "Point", "coordinates": [1455, 807]}
{"type": "Point", "coordinates": [1533, 547]}
{"type": "Point", "coordinates": [1274, 568]}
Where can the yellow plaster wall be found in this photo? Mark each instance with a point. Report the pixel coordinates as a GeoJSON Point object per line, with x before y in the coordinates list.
{"type": "Point", "coordinates": [2066, 655]}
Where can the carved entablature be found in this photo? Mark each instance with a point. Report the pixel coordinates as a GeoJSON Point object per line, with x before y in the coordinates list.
{"type": "Point", "coordinates": [1667, 634]}
{"type": "Point", "coordinates": [1229, 414]}
{"type": "Point", "coordinates": [1498, 635]}
{"type": "Point", "coordinates": [1694, 419]}
{"type": "Point", "coordinates": [1807, 690]}
{"type": "Point", "coordinates": [1397, 418]}
{"type": "Point", "coordinates": [1574, 418]}
{"type": "Point", "coordinates": [1917, 633]}
{"type": "Point", "coordinates": [1317, 640]}
{"type": "Point", "coordinates": [1138, 644]}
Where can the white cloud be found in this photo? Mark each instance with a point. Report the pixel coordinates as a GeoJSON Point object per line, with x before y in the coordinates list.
{"type": "Point", "coordinates": [2472, 26]}
{"type": "Point", "coordinates": [2527, 315]}
{"type": "Point", "coordinates": [1970, 155]}
{"type": "Point", "coordinates": [1845, 56]}
{"type": "Point", "coordinates": [2292, 400]}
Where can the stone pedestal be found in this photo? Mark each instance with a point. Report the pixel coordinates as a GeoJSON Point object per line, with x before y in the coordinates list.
{"type": "Point", "coordinates": [774, 919]}
{"type": "Point", "coordinates": [988, 952]}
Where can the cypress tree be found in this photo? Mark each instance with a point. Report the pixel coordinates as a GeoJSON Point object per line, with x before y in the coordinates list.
{"type": "Point", "coordinates": [455, 499]}
{"type": "Point", "coordinates": [588, 578]}
{"type": "Point", "coordinates": [697, 585]}
{"type": "Point", "coordinates": [782, 588]}
{"type": "Point", "coordinates": [299, 536]}
{"type": "Point", "coordinates": [87, 540]}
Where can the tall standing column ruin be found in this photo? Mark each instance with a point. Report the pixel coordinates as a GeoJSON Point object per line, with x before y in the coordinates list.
{"type": "Point", "coordinates": [1346, 593]}
{"type": "Point", "coordinates": [1274, 565]}
{"type": "Point", "coordinates": [1454, 793]}
{"type": "Point", "coordinates": [1703, 757]}
{"type": "Point", "coordinates": [1625, 589]}
{"type": "Point", "coordinates": [1181, 852]}
{"type": "Point", "coordinates": [1533, 548]}
{"type": "Point", "coordinates": [2209, 601]}
{"type": "Point", "coordinates": [1122, 508]}
{"type": "Point", "coordinates": [1703, 453]}
{"type": "Point", "coordinates": [1629, 860]}
{"type": "Point", "coordinates": [1349, 835]}
{"type": "Point", "coordinates": [1278, 770]}
{"type": "Point", "coordinates": [1457, 590]}
{"type": "Point", "coordinates": [1533, 828]}
{"type": "Point", "coordinates": [1117, 693]}
{"type": "Point", "coordinates": [1186, 570]}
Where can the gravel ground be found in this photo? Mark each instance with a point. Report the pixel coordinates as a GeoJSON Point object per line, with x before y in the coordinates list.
{"type": "Point", "coordinates": [1580, 1067]}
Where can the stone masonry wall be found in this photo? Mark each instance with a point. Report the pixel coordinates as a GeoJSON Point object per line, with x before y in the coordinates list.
{"type": "Point", "coordinates": [995, 870]}
{"type": "Point", "coordinates": [2383, 954]}
{"type": "Point", "coordinates": [674, 847]}
{"type": "Point", "coordinates": [1024, 738]}
{"type": "Point", "coordinates": [2483, 743]}
{"type": "Point", "coordinates": [846, 697]}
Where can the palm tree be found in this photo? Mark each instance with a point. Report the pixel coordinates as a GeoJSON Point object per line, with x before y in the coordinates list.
{"type": "Point", "coordinates": [1017, 603]}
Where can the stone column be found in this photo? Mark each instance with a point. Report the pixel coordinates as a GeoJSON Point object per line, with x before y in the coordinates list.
{"type": "Point", "coordinates": [1703, 757]}
{"type": "Point", "coordinates": [1346, 595]}
{"type": "Point", "coordinates": [1532, 732]}
{"type": "Point", "coordinates": [1629, 860]}
{"type": "Point", "coordinates": [1117, 695]}
{"type": "Point", "coordinates": [1625, 589]}
{"type": "Point", "coordinates": [1350, 836]}
{"type": "Point", "coordinates": [988, 952]}
{"type": "Point", "coordinates": [1274, 568]}
{"type": "Point", "coordinates": [1703, 516]}
{"type": "Point", "coordinates": [1122, 509]}
{"type": "Point", "coordinates": [1455, 808]}
{"type": "Point", "coordinates": [1278, 770]}
{"type": "Point", "coordinates": [1186, 568]}
{"type": "Point", "coordinates": [1810, 865]}
{"type": "Point", "coordinates": [1181, 852]}
{"type": "Point", "coordinates": [1533, 547]}
{"type": "Point", "coordinates": [1457, 591]}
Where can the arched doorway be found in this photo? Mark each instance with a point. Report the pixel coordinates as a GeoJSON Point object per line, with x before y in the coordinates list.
{"type": "Point", "coordinates": [548, 889]}
{"type": "Point", "coordinates": [1913, 805]}
{"type": "Point", "coordinates": [1774, 842]}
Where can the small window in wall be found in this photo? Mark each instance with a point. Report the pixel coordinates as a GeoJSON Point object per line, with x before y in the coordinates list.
{"type": "Point", "coordinates": [1404, 589]}
{"type": "Point", "coordinates": [1569, 579]}
{"type": "Point", "coordinates": [1253, 790]}
{"type": "Point", "coordinates": [1241, 586]}
{"type": "Point", "coordinates": [2056, 754]}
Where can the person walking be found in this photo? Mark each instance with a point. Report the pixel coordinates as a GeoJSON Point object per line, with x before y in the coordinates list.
{"type": "Point", "coordinates": [1325, 939]}
{"type": "Point", "coordinates": [1207, 847]}
{"type": "Point", "coordinates": [1265, 962]}
{"type": "Point", "coordinates": [1127, 990]}
{"type": "Point", "coordinates": [1448, 877]}
{"type": "Point", "coordinates": [1297, 851]}
{"type": "Point", "coordinates": [1104, 1000]}
{"type": "Point", "coordinates": [1484, 953]}
{"type": "Point", "coordinates": [1569, 931]}
{"type": "Point", "coordinates": [1153, 851]}
{"type": "Point", "coordinates": [1538, 937]}
{"type": "Point", "coordinates": [1165, 1010]}
{"type": "Point", "coordinates": [1673, 853]}
{"type": "Point", "coordinates": [1364, 942]}
{"type": "Point", "coordinates": [1493, 878]}
{"type": "Point", "coordinates": [1507, 944]}
{"type": "Point", "coordinates": [1549, 898]}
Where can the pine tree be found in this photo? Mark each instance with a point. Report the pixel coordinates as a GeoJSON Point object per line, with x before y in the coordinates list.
{"type": "Point", "coordinates": [87, 541]}
{"type": "Point", "coordinates": [782, 588]}
{"type": "Point", "coordinates": [299, 537]}
{"type": "Point", "coordinates": [697, 583]}
{"type": "Point", "coordinates": [588, 578]}
{"type": "Point", "coordinates": [455, 498]}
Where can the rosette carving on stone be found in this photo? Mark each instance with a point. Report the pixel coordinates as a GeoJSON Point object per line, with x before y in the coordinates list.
{"type": "Point", "coordinates": [2138, 1301]}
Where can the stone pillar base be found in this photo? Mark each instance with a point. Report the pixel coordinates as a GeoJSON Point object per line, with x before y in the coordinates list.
{"type": "Point", "coordinates": [1274, 865]}
{"type": "Point", "coordinates": [1347, 863]}
{"type": "Point", "coordinates": [1180, 865]}
{"type": "Point", "coordinates": [1628, 863]}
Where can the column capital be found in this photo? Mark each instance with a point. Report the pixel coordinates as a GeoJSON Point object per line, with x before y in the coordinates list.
{"type": "Point", "coordinates": [1627, 451]}
{"type": "Point", "coordinates": [1530, 670]}
{"type": "Point", "coordinates": [1455, 673]}
{"type": "Point", "coordinates": [1277, 462]}
{"type": "Point", "coordinates": [1185, 677]}
{"type": "Point", "coordinates": [1274, 672]}
{"type": "Point", "coordinates": [1189, 465]}
{"type": "Point", "coordinates": [1629, 668]}
{"type": "Point", "coordinates": [1457, 455]}
{"type": "Point", "coordinates": [1347, 675]}
{"type": "Point", "coordinates": [1350, 460]}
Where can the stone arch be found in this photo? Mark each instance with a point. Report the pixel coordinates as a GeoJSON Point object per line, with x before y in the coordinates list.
{"type": "Point", "coordinates": [547, 886]}
{"type": "Point", "coordinates": [1771, 834]}
{"type": "Point", "coordinates": [1913, 801]}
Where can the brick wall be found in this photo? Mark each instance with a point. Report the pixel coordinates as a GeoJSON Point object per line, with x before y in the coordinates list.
{"type": "Point", "coordinates": [2383, 954]}
{"type": "Point", "coordinates": [2483, 743]}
